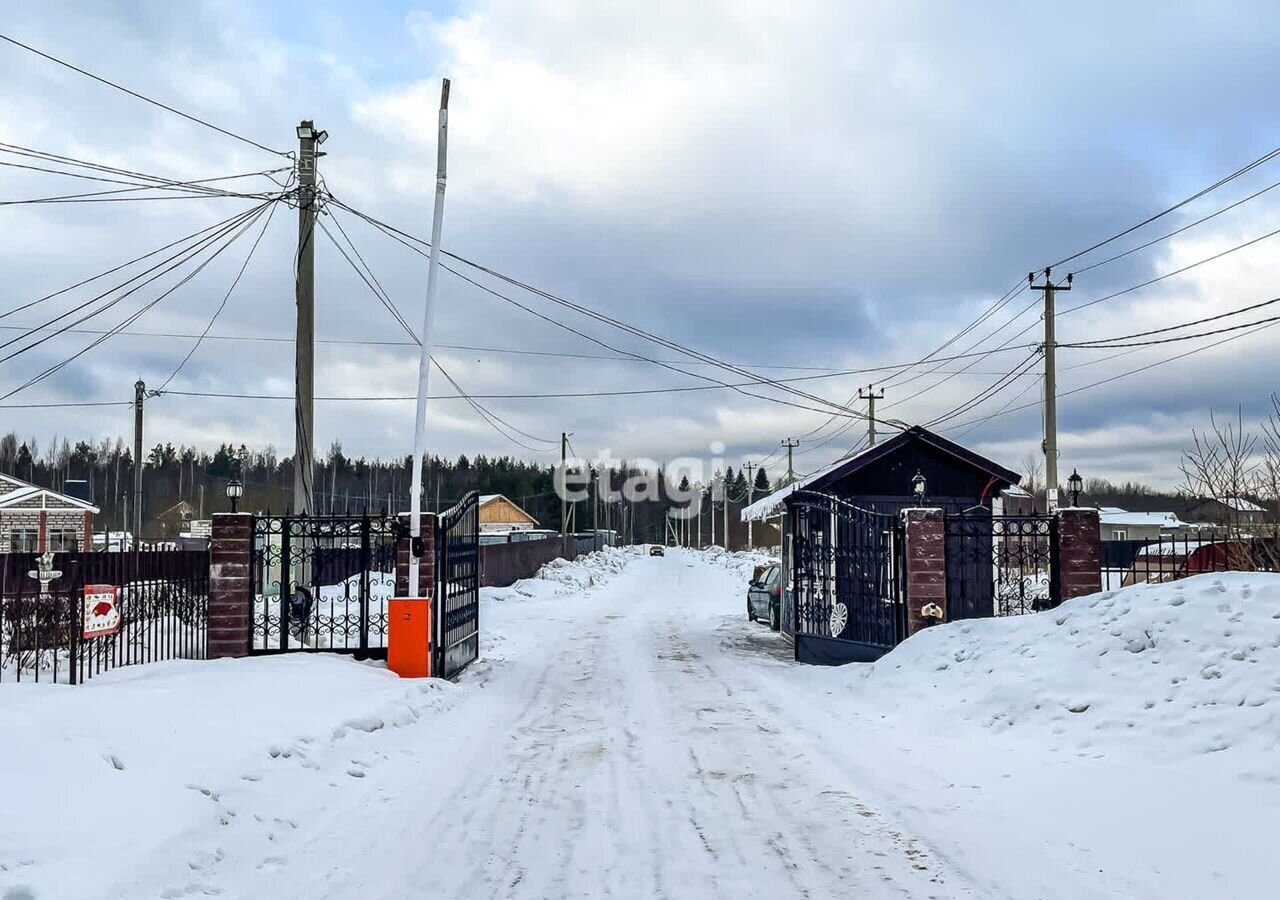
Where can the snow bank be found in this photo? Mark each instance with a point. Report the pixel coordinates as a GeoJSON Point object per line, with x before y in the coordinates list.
{"type": "Point", "coordinates": [561, 576]}
{"type": "Point", "coordinates": [98, 777]}
{"type": "Point", "coordinates": [740, 562]}
{"type": "Point", "coordinates": [1165, 671]}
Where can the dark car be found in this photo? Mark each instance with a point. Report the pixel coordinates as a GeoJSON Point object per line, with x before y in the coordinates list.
{"type": "Point", "coordinates": [764, 596]}
{"type": "Point", "coordinates": [656, 550]}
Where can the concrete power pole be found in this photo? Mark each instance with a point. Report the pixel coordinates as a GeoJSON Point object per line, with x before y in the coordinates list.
{"type": "Point", "coordinates": [791, 444]}
{"type": "Point", "coordinates": [304, 342]}
{"type": "Point", "coordinates": [871, 397]}
{"type": "Point", "coordinates": [564, 503]}
{"type": "Point", "coordinates": [139, 396]}
{"type": "Point", "coordinates": [751, 495]}
{"type": "Point", "coordinates": [1050, 387]}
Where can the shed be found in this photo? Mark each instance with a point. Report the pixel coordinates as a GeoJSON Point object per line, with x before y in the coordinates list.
{"type": "Point", "coordinates": [839, 549]}
{"type": "Point", "coordinates": [880, 477]}
{"type": "Point", "coordinates": [498, 513]}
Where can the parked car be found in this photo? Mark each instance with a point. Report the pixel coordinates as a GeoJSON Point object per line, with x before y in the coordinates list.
{"type": "Point", "coordinates": [764, 596]}
{"type": "Point", "coordinates": [656, 550]}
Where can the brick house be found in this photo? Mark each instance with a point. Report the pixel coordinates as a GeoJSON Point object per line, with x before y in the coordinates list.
{"type": "Point", "coordinates": [34, 519]}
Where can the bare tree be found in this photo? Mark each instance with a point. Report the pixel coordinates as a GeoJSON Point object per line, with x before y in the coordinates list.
{"type": "Point", "coordinates": [1033, 480]}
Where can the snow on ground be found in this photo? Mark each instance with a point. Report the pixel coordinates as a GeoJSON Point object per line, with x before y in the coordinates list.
{"type": "Point", "coordinates": [627, 733]}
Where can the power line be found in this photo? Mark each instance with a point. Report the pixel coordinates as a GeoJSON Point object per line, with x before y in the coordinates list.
{"type": "Point", "coordinates": [1206, 319]}
{"type": "Point", "coordinates": [113, 270]}
{"type": "Point", "coordinates": [223, 228]}
{"type": "Point", "coordinates": [223, 305]}
{"type": "Point", "coordinates": [1171, 340]}
{"type": "Point", "coordinates": [493, 419]}
{"type": "Point", "coordinates": [133, 317]}
{"type": "Point", "coordinates": [135, 94]}
{"type": "Point", "coordinates": [1178, 271]}
{"type": "Point", "coordinates": [630, 329]}
{"type": "Point", "coordinates": [1266, 157]}
{"type": "Point", "coordinates": [1177, 231]}
{"type": "Point", "coordinates": [1108, 380]}
{"type": "Point", "coordinates": [173, 189]}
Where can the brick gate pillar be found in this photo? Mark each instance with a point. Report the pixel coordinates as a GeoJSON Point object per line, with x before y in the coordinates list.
{"type": "Point", "coordinates": [926, 562]}
{"type": "Point", "coordinates": [230, 555]}
{"type": "Point", "coordinates": [1079, 566]}
{"type": "Point", "coordinates": [427, 566]}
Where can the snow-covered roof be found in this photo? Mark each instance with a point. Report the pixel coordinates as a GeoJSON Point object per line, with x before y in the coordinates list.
{"type": "Point", "coordinates": [1014, 491]}
{"type": "Point", "coordinates": [1239, 504]}
{"type": "Point", "coordinates": [485, 498]}
{"type": "Point", "coordinates": [1112, 515]}
{"type": "Point", "coordinates": [27, 492]}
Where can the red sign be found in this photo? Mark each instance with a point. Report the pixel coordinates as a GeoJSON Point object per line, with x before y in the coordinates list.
{"type": "Point", "coordinates": [101, 615]}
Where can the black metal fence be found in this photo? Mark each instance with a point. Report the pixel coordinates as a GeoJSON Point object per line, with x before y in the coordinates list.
{"type": "Point", "coordinates": [1185, 553]}
{"type": "Point", "coordinates": [101, 611]}
{"type": "Point", "coordinates": [457, 594]}
{"type": "Point", "coordinates": [322, 583]}
{"type": "Point", "coordinates": [1000, 565]}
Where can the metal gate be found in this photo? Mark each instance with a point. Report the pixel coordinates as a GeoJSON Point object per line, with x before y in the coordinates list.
{"type": "Point", "coordinates": [457, 587]}
{"type": "Point", "coordinates": [846, 580]}
{"type": "Point", "coordinates": [1001, 565]}
{"type": "Point", "coordinates": [322, 583]}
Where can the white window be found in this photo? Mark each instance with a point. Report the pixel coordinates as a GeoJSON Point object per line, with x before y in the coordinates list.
{"type": "Point", "coordinates": [1119, 534]}
{"type": "Point", "coordinates": [24, 540]}
{"type": "Point", "coordinates": [64, 540]}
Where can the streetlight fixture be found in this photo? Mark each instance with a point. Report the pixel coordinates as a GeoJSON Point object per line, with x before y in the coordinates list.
{"type": "Point", "coordinates": [918, 486]}
{"type": "Point", "coordinates": [1075, 484]}
{"type": "Point", "coordinates": [235, 490]}
{"type": "Point", "coordinates": [306, 131]}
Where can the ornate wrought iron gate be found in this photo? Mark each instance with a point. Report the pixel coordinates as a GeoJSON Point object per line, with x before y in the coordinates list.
{"type": "Point", "coordinates": [457, 587]}
{"type": "Point", "coordinates": [846, 580]}
{"type": "Point", "coordinates": [1001, 565]}
{"type": "Point", "coordinates": [322, 583]}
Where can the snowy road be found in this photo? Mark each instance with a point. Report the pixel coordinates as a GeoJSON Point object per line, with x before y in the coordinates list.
{"type": "Point", "coordinates": [629, 734]}
{"type": "Point", "coordinates": [629, 756]}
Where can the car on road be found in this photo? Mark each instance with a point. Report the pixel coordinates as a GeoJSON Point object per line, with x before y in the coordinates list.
{"type": "Point", "coordinates": [764, 596]}
{"type": "Point", "coordinates": [656, 550]}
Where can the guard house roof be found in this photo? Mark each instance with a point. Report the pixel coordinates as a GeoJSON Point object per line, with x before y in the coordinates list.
{"type": "Point", "coordinates": [998, 476]}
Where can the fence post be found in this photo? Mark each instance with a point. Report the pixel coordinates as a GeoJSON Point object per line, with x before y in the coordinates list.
{"type": "Point", "coordinates": [427, 567]}
{"type": "Point", "coordinates": [1079, 564]}
{"type": "Point", "coordinates": [229, 610]}
{"type": "Point", "coordinates": [926, 565]}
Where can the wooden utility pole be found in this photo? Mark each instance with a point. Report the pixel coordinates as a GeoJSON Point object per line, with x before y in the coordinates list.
{"type": "Point", "coordinates": [791, 444]}
{"type": "Point", "coordinates": [564, 487]}
{"type": "Point", "coordinates": [139, 396]}
{"type": "Point", "coordinates": [1050, 386]}
{"type": "Point", "coordinates": [871, 397]}
{"type": "Point", "coordinates": [304, 340]}
{"type": "Point", "coordinates": [595, 514]}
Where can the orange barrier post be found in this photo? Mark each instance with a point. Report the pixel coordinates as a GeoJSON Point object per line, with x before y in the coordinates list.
{"type": "Point", "coordinates": [409, 637]}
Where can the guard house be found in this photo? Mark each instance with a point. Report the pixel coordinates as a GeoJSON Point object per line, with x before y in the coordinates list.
{"type": "Point", "coordinates": [841, 540]}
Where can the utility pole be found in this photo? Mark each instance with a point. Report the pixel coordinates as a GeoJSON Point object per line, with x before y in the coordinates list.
{"type": "Point", "coordinates": [304, 340]}
{"type": "Point", "coordinates": [726, 513]}
{"type": "Point", "coordinates": [595, 514]}
{"type": "Point", "coordinates": [751, 495]}
{"type": "Point", "coordinates": [791, 444]}
{"type": "Point", "coordinates": [871, 397]}
{"type": "Point", "coordinates": [139, 395]}
{"type": "Point", "coordinates": [564, 502]}
{"type": "Point", "coordinates": [712, 515]}
{"type": "Point", "coordinates": [416, 548]}
{"type": "Point", "coordinates": [1050, 386]}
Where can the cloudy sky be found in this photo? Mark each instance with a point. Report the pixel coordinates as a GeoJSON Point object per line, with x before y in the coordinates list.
{"type": "Point", "coordinates": [803, 189]}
